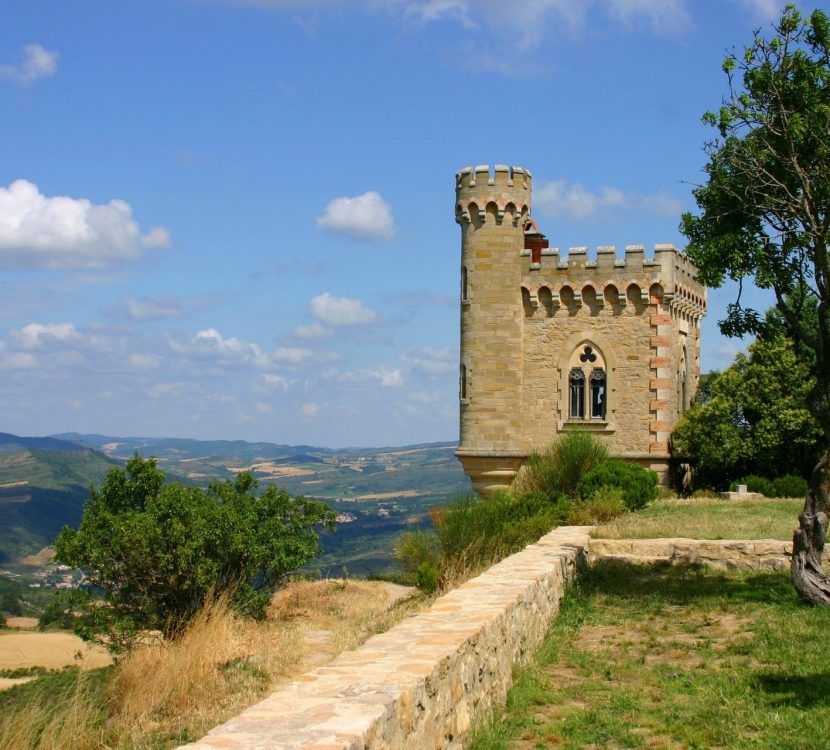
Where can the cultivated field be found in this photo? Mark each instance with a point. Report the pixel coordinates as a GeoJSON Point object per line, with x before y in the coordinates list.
{"type": "Point", "coordinates": [22, 650]}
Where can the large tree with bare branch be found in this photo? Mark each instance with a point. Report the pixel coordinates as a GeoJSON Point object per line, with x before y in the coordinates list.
{"type": "Point", "coordinates": [765, 216]}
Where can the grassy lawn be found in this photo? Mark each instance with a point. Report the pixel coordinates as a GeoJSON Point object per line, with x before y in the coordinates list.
{"type": "Point", "coordinates": [708, 519]}
{"type": "Point", "coordinates": [657, 657]}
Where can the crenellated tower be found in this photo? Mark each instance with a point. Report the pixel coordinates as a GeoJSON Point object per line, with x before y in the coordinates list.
{"type": "Point", "coordinates": [604, 344]}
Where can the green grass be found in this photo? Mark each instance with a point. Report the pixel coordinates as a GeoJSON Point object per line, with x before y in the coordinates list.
{"type": "Point", "coordinates": [708, 519]}
{"type": "Point", "coordinates": [661, 657]}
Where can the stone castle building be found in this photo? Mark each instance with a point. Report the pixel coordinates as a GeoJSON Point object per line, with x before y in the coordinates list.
{"type": "Point", "coordinates": [610, 346]}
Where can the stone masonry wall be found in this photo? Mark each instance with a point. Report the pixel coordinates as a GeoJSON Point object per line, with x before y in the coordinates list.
{"type": "Point", "coordinates": [422, 684]}
{"type": "Point", "coordinates": [726, 554]}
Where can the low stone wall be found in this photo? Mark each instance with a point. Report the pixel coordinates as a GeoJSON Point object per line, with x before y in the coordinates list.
{"type": "Point", "coordinates": [424, 682]}
{"type": "Point", "coordinates": [732, 554]}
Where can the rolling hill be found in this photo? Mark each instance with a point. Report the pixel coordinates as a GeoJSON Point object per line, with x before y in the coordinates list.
{"type": "Point", "coordinates": [377, 491]}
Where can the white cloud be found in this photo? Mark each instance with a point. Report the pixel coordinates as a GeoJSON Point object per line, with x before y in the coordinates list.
{"type": "Point", "coordinates": [430, 361]}
{"type": "Point", "coordinates": [276, 381]}
{"type": "Point", "coordinates": [340, 311]}
{"type": "Point", "coordinates": [385, 377]}
{"type": "Point", "coordinates": [37, 63]}
{"type": "Point", "coordinates": [559, 199]}
{"type": "Point", "coordinates": [664, 17]}
{"type": "Point", "coordinates": [727, 352]}
{"type": "Point", "coordinates": [363, 217]}
{"type": "Point", "coordinates": [292, 355]}
{"type": "Point", "coordinates": [35, 335]}
{"type": "Point", "coordinates": [315, 330]}
{"type": "Point", "coordinates": [158, 237]}
{"type": "Point", "coordinates": [767, 9]}
{"type": "Point", "coordinates": [210, 344]}
{"type": "Point", "coordinates": [143, 361]}
{"type": "Point", "coordinates": [18, 361]}
{"type": "Point", "coordinates": [154, 308]}
{"type": "Point", "coordinates": [309, 409]}
{"type": "Point", "coordinates": [262, 408]}
{"type": "Point", "coordinates": [37, 231]}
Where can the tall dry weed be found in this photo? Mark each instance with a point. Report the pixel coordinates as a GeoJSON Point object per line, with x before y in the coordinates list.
{"type": "Point", "coordinates": [69, 720]}
{"type": "Point", "coordinates": [219, 662]}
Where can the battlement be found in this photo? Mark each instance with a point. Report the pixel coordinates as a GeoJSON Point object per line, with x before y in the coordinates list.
{"type": "Point", "coordinates": [479, 192]}
{"type": "Point", "coordinates": [668, 276]}
{"type": "Point", "coordinates": [481, 177]}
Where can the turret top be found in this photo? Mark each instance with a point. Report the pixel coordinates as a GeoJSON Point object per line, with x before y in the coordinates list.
{"type": "Point", "coordinates": [480, 176]}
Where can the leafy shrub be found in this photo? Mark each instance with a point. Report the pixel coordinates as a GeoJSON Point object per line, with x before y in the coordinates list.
{"type": "Point", "coordinates": [604, 505]}
{"type": "Point", "coordinates": [558, 469]}
{"type": "Point", "coordinates": [161, 551]}
{"type": "Point", "coordinates": [638, 485]}
{"type": "Point", "coordinates": [705, 495]}
{"type": "Point", "coordinates": [790, 486]}
{"type": "Point", "coordinates": [426, 577]}
{"type": "Point", "coordinates": [755, 483]}
{"type": "Point", "coordinates": [786, 486]}
{"type": "Point", "coordinates": [473, 532]}
{"type": "Point", "coordinates": [414, 549]}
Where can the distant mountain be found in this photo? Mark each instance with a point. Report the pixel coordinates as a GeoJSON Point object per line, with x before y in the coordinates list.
{"type": "Point", "coordinates": [45, 481]}
{"type": "Point", "coordinates": [13, 443]}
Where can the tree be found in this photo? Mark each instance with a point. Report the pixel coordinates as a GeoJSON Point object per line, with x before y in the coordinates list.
{"type": "Point", "coordinates": [159, 551]}
{"type": "Point", "coordinates": [10, 604]}
{"type": "Point", "coordinates": [751, 418]}
{"type": "Point", "coordinates": [765, 215]}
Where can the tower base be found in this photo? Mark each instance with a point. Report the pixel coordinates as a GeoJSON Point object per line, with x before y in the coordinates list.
{"type": "Point", "coordinates": [491, 471]}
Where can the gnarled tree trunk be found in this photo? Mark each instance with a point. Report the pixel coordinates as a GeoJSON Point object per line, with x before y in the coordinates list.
{"type": "Point", "coordinates": [809, 579]}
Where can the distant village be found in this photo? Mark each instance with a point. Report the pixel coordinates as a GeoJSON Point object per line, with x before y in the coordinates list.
{"type": "Point", "coordinates": [54, 577]}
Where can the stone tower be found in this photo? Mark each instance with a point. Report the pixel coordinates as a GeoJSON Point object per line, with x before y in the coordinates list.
{"type": "Point", "coordinates": [610, 346]}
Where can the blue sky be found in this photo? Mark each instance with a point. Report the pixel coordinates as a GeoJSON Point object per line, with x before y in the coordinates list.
{"type": "Point", "coordinates": [234, 219]}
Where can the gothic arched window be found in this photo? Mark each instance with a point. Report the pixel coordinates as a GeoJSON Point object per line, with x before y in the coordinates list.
{"type": "Point", "coordinates": [587, 384]}
{"type": "Point", "coordinates": [576, 388]}
{"type": "Point", "coordinates": [598, 394]}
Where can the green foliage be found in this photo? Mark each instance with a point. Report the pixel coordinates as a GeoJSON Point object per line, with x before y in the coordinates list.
{"type": "Point", "coordinates": [751, 418]}
{"type": "Point", "coordinates": [638, 485]}
{"type": "Point", "coordinates": [159, 551]}
{"type": "Point", "coordinates": [754, 483]}
{"type": "Point", "coordinates": [473, 532]}
{"type": "Point", "coordinates": [786, 486]}
{"type": "Point", "coordinates": [414, 548]}
{"type": "Point", "coordinates": [58, 613]}
{"type": "Point", "coordinates": [765, 206]}
{"type": "Point", "coordinates": [426, 577]}
{"type": "Point", "coordinates": [558, 469]}
{"type": "Point", "coordinates": [10, 604]}
{"type": "Point", "coordinates": [3, 622]}
{"type": "Point", "coordinates": [602, 506]}
{"type": "Point", "coordinates": [790, 486]}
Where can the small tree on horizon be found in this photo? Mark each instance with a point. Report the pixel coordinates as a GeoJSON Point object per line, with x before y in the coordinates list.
{"type": "Point", "coordinates": [765, 215]}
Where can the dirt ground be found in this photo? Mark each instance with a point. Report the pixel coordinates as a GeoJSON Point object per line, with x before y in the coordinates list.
{"type": "Point", "coordinates": [49, 650]}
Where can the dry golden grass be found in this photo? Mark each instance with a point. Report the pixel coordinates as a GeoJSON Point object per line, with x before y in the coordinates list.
{"type": "Point", "coordinates": [50, 650]}
{"type": "Point", "coordinates": [165, 693]}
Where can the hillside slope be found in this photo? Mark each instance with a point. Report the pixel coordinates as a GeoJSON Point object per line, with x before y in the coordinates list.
{"type": "Point", "coordinates": [44, 483]}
